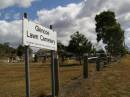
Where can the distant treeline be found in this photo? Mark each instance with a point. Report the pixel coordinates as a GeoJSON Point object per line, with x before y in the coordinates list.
{"type": "Point", "coordinates": [7, 51]}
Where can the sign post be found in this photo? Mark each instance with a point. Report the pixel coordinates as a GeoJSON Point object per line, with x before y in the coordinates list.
{"type": "Point", "coordinates": [56, 75]}
{"type": "Point", "coordinates": [27, 72]}
{"type": "Point", "coordinates": [54, 72]}
{"type": "Point", "coordinates": [36, 35]}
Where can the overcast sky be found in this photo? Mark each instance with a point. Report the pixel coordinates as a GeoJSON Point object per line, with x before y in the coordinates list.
{"type": "Point", "coordinates": [66, 16]}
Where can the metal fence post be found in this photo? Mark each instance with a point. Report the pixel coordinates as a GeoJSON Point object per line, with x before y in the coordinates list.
{"type": "Point", "coordinates": [27, 71]}
{"type": "Point", "coordinates": [54, 72]}
{"type": "Point", "coordinates": [56, 75]}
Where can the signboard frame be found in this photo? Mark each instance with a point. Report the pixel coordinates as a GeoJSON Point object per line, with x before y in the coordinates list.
{"type": "Point", "coordinates": [36, 35]}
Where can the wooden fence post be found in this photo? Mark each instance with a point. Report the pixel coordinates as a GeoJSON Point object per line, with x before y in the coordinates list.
{"type": "Point", "coordinates": [85, 67]}
{"type": "Point", "coordinates": [98, 64]}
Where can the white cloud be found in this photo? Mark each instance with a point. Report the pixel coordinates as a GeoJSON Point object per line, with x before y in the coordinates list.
{"type": "Point", "coordinates": [9, 3]}
{"type": "Point", "coordinates": [127, 37]}
{"type": "Point", "coordinates": [69, 19]}
{"type": "Point", "coordinates": [10, 31]}
{"type": "Point", "coordinates": [124, 20]}
{"type": "Point", "coordinates": [59, 14]}
{"type": "Point", "coordinates": [80, 17]}
{"type": "Point", "coordinates": [66, 22]}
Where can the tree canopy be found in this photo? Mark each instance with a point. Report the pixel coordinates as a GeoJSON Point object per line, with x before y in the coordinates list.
{"type": "Point", "coordinates": [6, 50]}
{"type": "Point", "coordinates": [79, 44]}
{"type": "Point", "coordinates": [110, 31]}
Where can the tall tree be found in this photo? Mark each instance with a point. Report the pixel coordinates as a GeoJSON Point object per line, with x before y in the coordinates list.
{"type": "Point", "coordinates": [61, 47]}
{"type": "Point", "coordinates": [79, 44]}
{"type": "Point", "coordinates": [110, 31]}
{"type": "Point", "coordinates": [61, 51]}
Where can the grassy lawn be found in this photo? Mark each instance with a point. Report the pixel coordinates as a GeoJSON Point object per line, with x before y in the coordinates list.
{"type": "Point", "coordinates": [116, 81]}
{"type": "Point", "coordinates": [12, 79]}
{"type": "Point", "coordinates": [111, 81]}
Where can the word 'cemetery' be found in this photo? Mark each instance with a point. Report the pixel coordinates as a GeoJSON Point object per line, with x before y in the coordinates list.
{"type": "Point", "coordinates": [41, 37]}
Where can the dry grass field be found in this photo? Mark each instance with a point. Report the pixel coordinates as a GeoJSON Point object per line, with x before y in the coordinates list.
{"type": "Point", "coordinates": [111, 81]}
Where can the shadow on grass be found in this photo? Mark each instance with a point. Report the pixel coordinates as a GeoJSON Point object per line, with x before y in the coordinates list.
{"type": "Point", "coordinates": [70, 65]}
